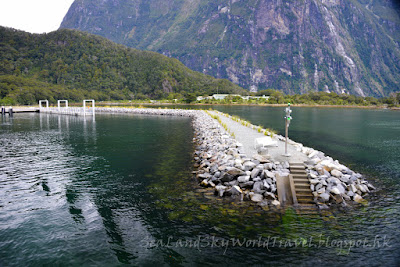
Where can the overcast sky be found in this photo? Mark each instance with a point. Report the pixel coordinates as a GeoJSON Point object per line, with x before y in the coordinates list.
{"type": "Point", "coordinates": [35, 16]}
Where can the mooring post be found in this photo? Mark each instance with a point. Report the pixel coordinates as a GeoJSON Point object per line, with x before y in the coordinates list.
{"type": "Point", "coordinates": [3, 111]}
{"type": "Point", "coordinates": [10, 111]}
{"type": "Point", "coordinates": [287, 122]}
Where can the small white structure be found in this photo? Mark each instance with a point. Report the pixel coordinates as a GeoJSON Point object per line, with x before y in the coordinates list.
{"type": "Point", "coordinates": [84, 106]}
{"type": "Point", "coordinates": [59, 104]}
{"type": "Point", "coordinates": [248, 97]}
{"type": "Point", "coordinates": [68, 110]}
{"type": "Point", "coordinates": [219, 96]}
{"type": "Point", "coordinates": [264, 141]}
{"type": "Point", "coordinates": [43, 101]}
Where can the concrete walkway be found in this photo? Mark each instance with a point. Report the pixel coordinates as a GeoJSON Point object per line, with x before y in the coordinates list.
{"type": "Point", "coordinates": [246, 136]}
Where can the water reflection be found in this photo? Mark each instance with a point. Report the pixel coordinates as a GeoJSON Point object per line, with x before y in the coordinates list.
{"type": "Point", "coordinates": [45, 121]}
{"type": "Point", "coordinates": [39, 184]}
{"type": "Point", "coordinates": [60, 127]}
{"type": "Point", "coordinates": [6, 120]}
{"type": "Point", "coordinates": [121, 221]}
{"type": "Point", "coordinates": [86, 192]}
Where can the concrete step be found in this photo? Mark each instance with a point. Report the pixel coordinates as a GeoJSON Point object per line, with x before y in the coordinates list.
{"type": "Point", "coordinates": [299, 175]}
{"type": "Point", "coordinates": [301, 181]}
{"type": "Point", "coordinates": [305, 200]}
{"type": "Point", "coordinates": [304, 181]}
{"type": "Point", "coordinates": [297, 169]}
{"type": "Point", "coordinates": [305, 195]}
{"type": "Point", "coordinates": [302, 185]}
{"type": "Point", "coordinates": [301, 172]}
{"type": "Point", "coordinates": [296, 164]}
{"type": "Point", "coordinates": [303, 189]}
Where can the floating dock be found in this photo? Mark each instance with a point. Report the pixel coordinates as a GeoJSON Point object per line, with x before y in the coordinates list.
{"type": "Point", "coordinates": [66, 110]}
{"type": "Point", "coordinates": [11, 110]}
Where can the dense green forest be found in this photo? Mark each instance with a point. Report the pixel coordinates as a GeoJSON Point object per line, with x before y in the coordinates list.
{"type": "Point", "coordinates": [74, 65]}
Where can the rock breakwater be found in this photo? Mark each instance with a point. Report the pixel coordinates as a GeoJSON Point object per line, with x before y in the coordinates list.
{"type": "Point", "coordinates": [222, 165]}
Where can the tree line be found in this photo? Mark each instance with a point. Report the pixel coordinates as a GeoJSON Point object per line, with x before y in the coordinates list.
{"type": "Point", "coordinates": [311, 98]}
{"type": "Point", "coordinates": [69, 64]}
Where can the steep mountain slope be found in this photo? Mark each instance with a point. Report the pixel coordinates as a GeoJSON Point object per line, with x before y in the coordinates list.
{"type": "Point", "coordinates": [90, 65]}
{"type": "Point", "coordinates": [294, 46]}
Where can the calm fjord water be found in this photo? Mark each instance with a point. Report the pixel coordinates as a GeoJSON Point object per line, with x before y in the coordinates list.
{"type": "Point", "coordinates": [119, 190]}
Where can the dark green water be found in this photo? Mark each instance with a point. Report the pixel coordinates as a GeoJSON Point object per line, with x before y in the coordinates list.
{"type": "Point", "coordinates": [364, 139]}
{"type": "Point", "coordinates": [120, 191]}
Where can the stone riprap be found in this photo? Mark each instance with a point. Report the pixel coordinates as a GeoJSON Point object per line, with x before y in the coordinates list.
{"type": "Point", "coordinates": [330, 181]}
{"type": "Point", "coordinates": [150, 111]}
{"type": "Point", "coordinates": [333, 182]}
{"type": "Point", "coordinates": [222, 165]}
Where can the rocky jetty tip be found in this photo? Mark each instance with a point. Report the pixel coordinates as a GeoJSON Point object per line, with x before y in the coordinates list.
{"type": "Point", "coordinates": [221, 165]}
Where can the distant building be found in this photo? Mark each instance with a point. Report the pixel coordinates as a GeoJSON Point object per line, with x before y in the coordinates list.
{"type": "Point", "coordinates": [219, 96]}
{"type": "Point", "coordinates": [248, 97]}
{"type": "Point", "coordinates": [223, 96]}
{"type": "Point", "coordinates": [199, 98]}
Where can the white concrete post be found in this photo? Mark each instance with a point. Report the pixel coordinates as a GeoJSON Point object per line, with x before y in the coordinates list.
{"type": "Point", "coordinates": [43, 101]}
{"type": "Point", "coordinates": [84, 106]}
{"type": "Point", "coordinates": [59, 104]}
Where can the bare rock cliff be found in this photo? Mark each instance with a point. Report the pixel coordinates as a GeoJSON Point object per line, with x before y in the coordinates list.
{"type": "Point", "coordinates": [339, 46]}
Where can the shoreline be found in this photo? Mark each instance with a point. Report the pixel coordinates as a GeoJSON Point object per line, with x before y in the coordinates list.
{"type": "Point", "coordinates": [118, 104]}
{"type": "Point", "coordinates": [246, 104]}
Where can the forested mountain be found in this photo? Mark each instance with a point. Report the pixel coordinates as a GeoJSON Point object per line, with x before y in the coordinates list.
{"type": "Point", "coordinates": [294, 46]}
{"type": "Point", "coordinates": [68, 64]}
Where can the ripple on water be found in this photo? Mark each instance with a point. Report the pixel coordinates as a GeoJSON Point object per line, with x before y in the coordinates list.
{"type": "Point", "coordinates": [34, 172]}
{"type": "Point", "coordinates": [58, 206]}
{"type": "Point", "coordinates": [36, 216]}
